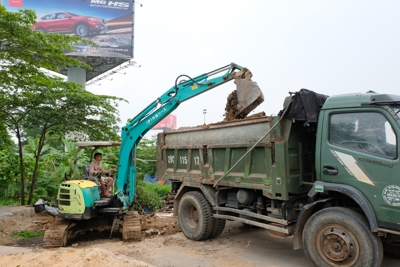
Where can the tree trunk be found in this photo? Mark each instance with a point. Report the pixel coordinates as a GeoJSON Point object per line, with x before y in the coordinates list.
{"type": "Point", "coordinates": [36, 168]}
{"type": "Point", "coordinates": [21, 166]}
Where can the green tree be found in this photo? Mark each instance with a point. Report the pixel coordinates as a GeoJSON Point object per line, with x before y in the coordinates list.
{"type": "Point", "coordinates": [24, 52]}
{"type": "Point", "coordinates": [62, 108]}
{"type": "Point", "coordinates": [61, 161]}
{"type": "Point", "coordinates": [30, 98]}
{"type": "Point", "coordinates": [146, 156]}
{"type": "Point", "coordinates": [9, 172]}
{"type": "Point", "coordinates": [115, 127]}
{"type": "Point", "coordinates": [56, 162]}
{"type": "Point", "coordinates": [5, 138]}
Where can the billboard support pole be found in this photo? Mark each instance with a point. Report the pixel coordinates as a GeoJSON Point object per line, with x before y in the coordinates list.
{"type": "Point", "coordinates": [77, 75]}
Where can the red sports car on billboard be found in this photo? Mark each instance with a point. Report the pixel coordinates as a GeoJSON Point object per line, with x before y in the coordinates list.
{"type": "Point", "coordinates": [66, 22]}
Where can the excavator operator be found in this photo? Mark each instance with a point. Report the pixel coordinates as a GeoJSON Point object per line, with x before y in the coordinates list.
{"type": "Point", "coordinates": [96, 170]}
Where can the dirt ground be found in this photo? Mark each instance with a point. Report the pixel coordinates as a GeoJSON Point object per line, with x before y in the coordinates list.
{"type": "Point", "coordinates": [87, 249]}
{"type": "Point", "coordinates": [162, 245]}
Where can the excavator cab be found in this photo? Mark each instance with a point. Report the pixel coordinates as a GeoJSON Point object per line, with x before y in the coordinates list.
{"type": "Point", "coordinates": [94, 145]}
{"type": "Point", "coordinates": [79, 199]}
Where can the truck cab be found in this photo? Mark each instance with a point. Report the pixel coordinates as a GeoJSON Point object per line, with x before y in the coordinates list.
{"type": "Point", "coordinates": [358, 147]}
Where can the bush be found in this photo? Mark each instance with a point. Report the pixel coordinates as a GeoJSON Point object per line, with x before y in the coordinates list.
{"type": "Point", "coordinates": [9, 202]}
{"type": "Point", "coordinates": [150, 195]}
{"type": "Point", "coordinates": [47, 189]}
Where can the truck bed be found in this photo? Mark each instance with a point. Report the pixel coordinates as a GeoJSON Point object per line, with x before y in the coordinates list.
{"type": "Point", "coordinates": [205, 153]}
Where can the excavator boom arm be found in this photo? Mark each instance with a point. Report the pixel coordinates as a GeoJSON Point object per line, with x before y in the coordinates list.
{"type": "Point", "coordinates": [133, 132]}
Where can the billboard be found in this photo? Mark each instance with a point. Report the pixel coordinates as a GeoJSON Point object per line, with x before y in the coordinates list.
{"type": "Point", "coordinates": [168, 123]}
{"type": "Point", "coordinates": [107, 23]}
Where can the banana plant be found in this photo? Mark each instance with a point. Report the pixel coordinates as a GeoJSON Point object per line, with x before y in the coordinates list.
{"type": "Point", "coordinates": [62, 161]}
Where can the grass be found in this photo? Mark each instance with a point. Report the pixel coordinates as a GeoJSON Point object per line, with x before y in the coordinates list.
{"type": "Point", "coordinates": [27, 234]}
{"type": "Point", "coordinates": [9, 202]}
{"type": "Point", "coordinates": [150, 195]}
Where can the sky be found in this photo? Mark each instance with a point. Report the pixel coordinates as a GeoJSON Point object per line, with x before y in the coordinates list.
{"type": "Point", "coordinates": [330, 47]}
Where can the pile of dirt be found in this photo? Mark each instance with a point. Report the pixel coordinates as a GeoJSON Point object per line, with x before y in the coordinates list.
{"type": "Point", "coordinates": [22, 218]}
{"type": "Point", "coordinates": [160, 223]}
{"type": "Point", "coordinates": [154, 224]}
{"type": "Point", "coordinates": [79, 252]}
{"type": "Point", "coordinates": [245, 98]}
{"type": "Point", "coordinates": [88, 257]}
{"type": "Point", "coordinates": [231, 107]}
{"type": "Point", "coordinates": [19, 219]}
{"type": "Point", "coordinates": [232, 113]}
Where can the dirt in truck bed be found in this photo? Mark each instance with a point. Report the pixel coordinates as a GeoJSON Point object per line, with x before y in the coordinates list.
{"type": "Point", "coordinates": [231, 111]}
{"type": "Point", "coordinates": [231, 107]}
{"type": "Point", "coordinates": [206, 126]}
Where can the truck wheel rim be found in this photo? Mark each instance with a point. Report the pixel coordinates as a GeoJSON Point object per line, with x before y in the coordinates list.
{"type": "Point", "coordinates": [191, 216]}
{"type": "Point", "coordinates": [338, 245]}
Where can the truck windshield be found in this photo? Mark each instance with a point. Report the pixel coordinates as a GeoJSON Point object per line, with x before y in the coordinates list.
{"type": "Point", "coordinates": [368, 132]}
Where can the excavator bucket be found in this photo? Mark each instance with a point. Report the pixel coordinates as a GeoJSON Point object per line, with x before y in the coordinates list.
{"type": "Point", "coordinates": [245, 98]}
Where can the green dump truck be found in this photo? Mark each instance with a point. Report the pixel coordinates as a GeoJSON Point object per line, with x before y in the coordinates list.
{"type": "Point", "coordinates": [325, 170]}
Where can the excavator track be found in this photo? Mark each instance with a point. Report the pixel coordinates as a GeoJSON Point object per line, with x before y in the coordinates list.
{"type": "Point", "coordinates": [57, 234]}
{"type": "Point", "coordinates": [131, 227]}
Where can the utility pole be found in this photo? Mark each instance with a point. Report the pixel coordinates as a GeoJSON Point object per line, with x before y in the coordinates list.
{"type": "Point", "coordinates": [204, 113]}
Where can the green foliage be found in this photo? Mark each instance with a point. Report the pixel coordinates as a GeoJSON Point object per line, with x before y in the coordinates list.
{"type": "Point", "coordinates": [47, 189]}
{"type": "Point", "coordinates": [36, 106]}
{"type": "Point", "coordinates": [60, 160]}
{"type": "Point", "coordinates": [146, 156]}
{"type": "Point", "coordinates": [9, 168]}
{"type": "Point", "coordinates": [27, 234]}
{"type": "Point", "coordinates": [160, 190]}
{"type": "Point", "coordinates": [150, 195]}
{"type": "Point", "coordinates": [5, 138]}
{"type": "Point", "coordinates": [9, 173]}
{"type": "Point", "coordinates": [9, 201]}
{"type": "Point", "coordinates": [110, 157]}
{"type": "Point", "coordinates": [40, 104]}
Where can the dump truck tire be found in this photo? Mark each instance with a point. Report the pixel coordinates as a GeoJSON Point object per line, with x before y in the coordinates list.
{"type": "Point", "coordinates": [341, 237]}
{"type": "Point", "coordinates": [218, 227]}
{"type": "Point", "coordinates": [391, 250]}
{"type": "Point", "coordinates": [195, 216]}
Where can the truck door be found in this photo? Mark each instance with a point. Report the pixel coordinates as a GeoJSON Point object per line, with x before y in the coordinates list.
{"type": "Point", "coordinates": [360, 149]}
